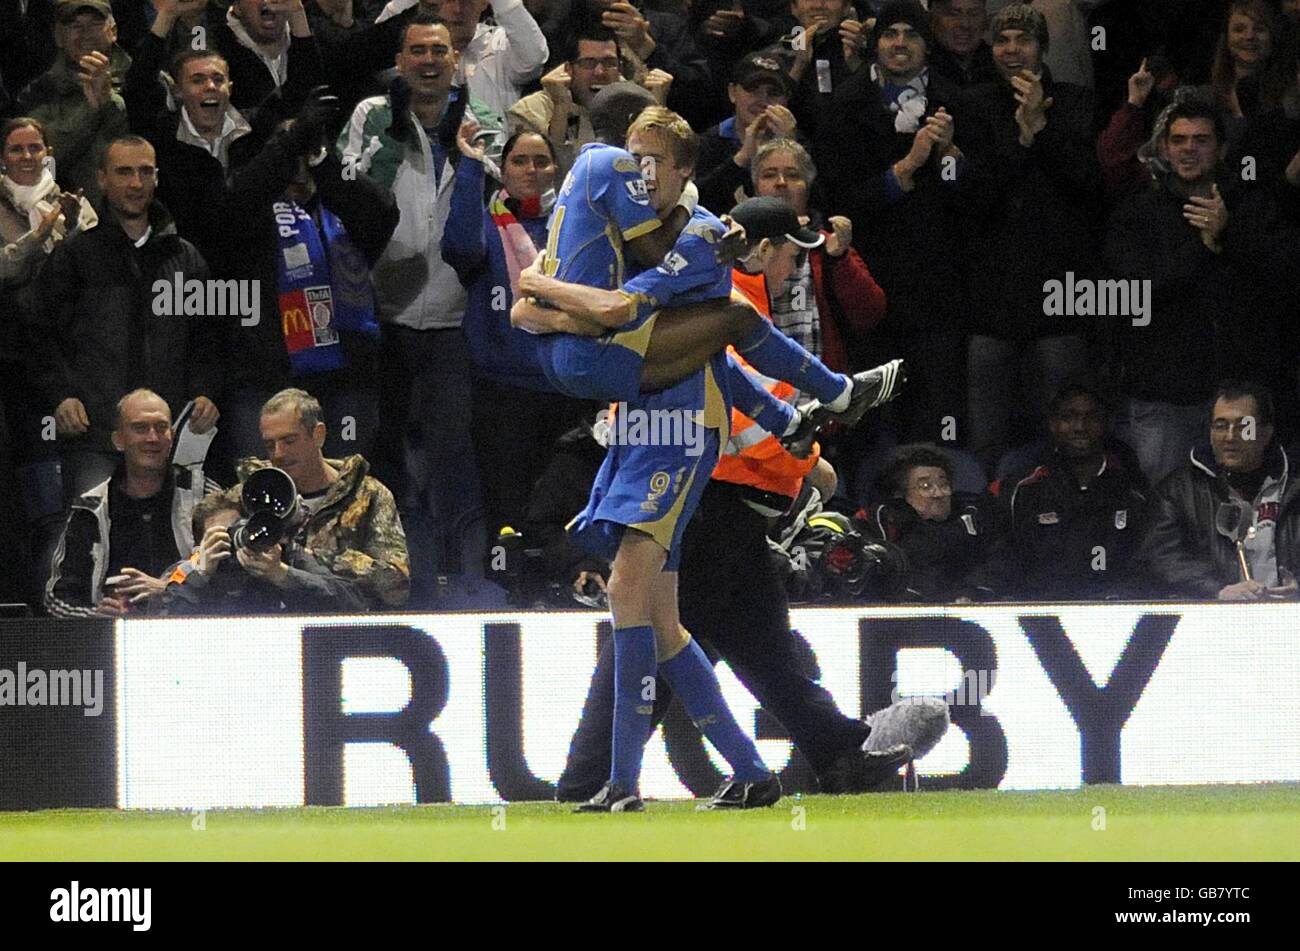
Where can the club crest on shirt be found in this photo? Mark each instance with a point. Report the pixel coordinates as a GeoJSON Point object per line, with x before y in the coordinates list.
{"type": "Point", "coordinates": [1048, 518]}
{"type": "Point", "coordinates": [673, 264]}
{"type": "Point", "coordinates": [628, 164]}
{"type": "Point", "coordinates": [636, 191]}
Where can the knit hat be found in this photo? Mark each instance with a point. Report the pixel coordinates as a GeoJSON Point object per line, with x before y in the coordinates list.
{"type": "Point", "coordinates": [1021, 16]}
{"type": "Point", "coordinates": [903, 11]}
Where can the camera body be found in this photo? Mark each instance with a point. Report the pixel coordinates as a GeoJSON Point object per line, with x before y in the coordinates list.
{"type": "Point", "coordinates": [831, 562]}
{"type": "Point", "coordinates": [530, 577]}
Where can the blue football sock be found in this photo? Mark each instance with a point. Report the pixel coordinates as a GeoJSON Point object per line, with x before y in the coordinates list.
{"type": "Point", "coordinates": [753, 399]}
{"type": "Point", "coordinates": [634, 661]}
{"type": "Point", "coordinates": [691, 676]}
{"type": "Point", "coordinates": [774, 354]}
{"type": "Point", "coordinates": [774, 416]}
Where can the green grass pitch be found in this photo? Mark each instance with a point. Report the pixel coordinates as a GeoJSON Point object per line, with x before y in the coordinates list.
{"type": "Point", "coordinates": [1226, 823]}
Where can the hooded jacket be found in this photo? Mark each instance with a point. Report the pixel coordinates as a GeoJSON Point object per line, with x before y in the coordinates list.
{"type": "Point", "coordinates": [1182, 550]}
{"type": "Point", "coordinates": [355, 532]}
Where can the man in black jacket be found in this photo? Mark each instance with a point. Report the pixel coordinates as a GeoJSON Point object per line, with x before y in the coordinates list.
{"type": "Point", "coordinates": [961, 55]}
{"type": "Point", "coordinates": [207, 145]}
{"type": "Point", "coordinates": [1031, 222]}
{"type": "Point", "coordinates": [102, 329]}
{"type": "Point", "coordinates": [1245, 479]}
{"type": "Point", "coordinates": [1183, 244]}
{"type": "Point", "coordinates": [891, 163]}
{"type": "Point", "coordinates": [1073, 521]}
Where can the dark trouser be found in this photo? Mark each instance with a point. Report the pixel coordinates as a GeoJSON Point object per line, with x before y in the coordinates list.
{"type": "Point", "coordinates": [733, 600]}
{"type": "Point", "coordinates": [514, 432]}
{"type": "Point", "coordinates": [996, 405]}
{"type": "Point", "coordinates": [425, 456]}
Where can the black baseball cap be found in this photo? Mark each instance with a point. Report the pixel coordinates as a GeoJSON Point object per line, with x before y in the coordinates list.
{"type": "Point", "coordinates": [769, 217]}
{"type": "Point", "coordinates": [762, 67]}
{"type": "Point", "coordinates": [67, 9]}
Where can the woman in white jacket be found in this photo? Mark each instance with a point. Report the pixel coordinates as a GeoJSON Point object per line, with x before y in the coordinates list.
{"type": "Point", "coordinates": [34, 217]}
{"type": "Point", "coordinates": [31, 204]}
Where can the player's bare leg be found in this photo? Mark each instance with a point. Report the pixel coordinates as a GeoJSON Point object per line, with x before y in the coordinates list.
{"type": "Point", "coordinates": [685, 338]}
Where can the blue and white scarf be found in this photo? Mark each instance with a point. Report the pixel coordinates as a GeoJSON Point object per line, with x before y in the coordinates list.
{"type": "Point", "coordinates": [323, 285]}
{"type": "Point", "coordinates": [909, 104]}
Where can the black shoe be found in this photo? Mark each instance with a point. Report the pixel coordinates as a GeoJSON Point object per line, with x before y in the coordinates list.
{"type": "Point", "coordinates": [612, 798]}
{"type": "Point", "coordinates": [737, 795]}
{"type": "Point", "coordinates": [859, 771]}
{"type": "Point", "coordinates": [871, 388]}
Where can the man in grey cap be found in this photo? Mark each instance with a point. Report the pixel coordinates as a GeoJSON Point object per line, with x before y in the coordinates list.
{"type": "Point", "coordinates": [76, 97]}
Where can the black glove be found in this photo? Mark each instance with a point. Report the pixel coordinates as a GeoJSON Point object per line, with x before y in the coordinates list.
{"type": "Point", "coordinates": [399, 94]}
{"type": "Point", "coordinates": [314, 120]}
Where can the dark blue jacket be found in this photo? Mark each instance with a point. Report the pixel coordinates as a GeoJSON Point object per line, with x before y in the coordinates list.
{"type": "Point", "coordinates": [471, 244]}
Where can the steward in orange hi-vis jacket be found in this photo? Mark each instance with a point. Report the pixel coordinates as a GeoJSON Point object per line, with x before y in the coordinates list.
{"type": "Point", "coordinates": [753, 456]}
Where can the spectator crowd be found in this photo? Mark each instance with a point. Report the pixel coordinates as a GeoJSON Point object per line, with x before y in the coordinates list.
{"type": "Point", "coordinates": [241, 234]}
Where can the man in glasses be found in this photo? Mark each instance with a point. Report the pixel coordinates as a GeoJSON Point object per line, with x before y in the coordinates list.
{"type": "Point", "coordinates": [1189, 547]}
{"type": "Point", "coordinates": [947, 538]}
{"type": "Point", "coordinates": [560, 110]}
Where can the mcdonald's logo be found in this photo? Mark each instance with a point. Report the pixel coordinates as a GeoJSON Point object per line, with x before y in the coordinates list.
{"type": "Point", "coordinates": [295, 321]}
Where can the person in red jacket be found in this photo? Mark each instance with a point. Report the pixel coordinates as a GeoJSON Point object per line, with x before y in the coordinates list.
{"type": "Point", "coordinates": [831, 301]}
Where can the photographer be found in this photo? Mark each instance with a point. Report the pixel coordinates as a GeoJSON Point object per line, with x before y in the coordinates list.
{"type": "Point", "coordinates": [284, 578]}
{"type": "Point", "coordinates": [946, 539]}
{"type": "Point", "coordinates": [351, 522]}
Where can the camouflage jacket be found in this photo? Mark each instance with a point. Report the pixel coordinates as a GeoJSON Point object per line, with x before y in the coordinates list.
{"type": "Point", "coordinates": [355, 532]}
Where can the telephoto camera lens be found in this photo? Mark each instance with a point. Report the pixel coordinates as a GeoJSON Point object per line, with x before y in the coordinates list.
{"type": "Point", "coordinates": [270, 503]}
